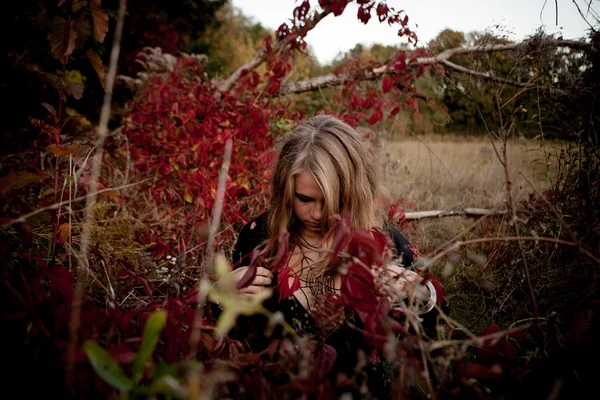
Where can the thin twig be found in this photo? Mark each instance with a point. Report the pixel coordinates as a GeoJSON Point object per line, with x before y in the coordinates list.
{"type": "Point", "coordinates": [83, 266]}
{"type": "Point", "coordinates": [209, 256]}
{"type": "Point", "coordinates": [55, 206]}
{"type": "Point", "coordinates": [459, 244]}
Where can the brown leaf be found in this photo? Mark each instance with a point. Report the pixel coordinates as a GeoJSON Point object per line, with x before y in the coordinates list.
{"type": "Point", "coordinates": [96, 62]}
{"type": "Point", "coordinates": [100, 20]}
{"type": "Point", "coordinates": [63, 150]}
{"type": "Point", "coordinates": [63, 232]}
{"type": "Point", "coordinates": [56, 36]}
{"type": "Point", "coordinates": [17, 180]}
{"type": "Point", "coordinates": [76, 89]}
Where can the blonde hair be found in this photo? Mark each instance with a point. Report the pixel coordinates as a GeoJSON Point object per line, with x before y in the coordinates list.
{"type": "Point", "coordinates": [344, 165]}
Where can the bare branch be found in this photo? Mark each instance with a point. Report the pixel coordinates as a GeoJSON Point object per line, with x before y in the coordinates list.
{"type": "Point", "coordinates": [331, 80]}
{"type": "Point", "coordinates": [258, 59]}
{"type": "Point", "coordinates": [454, 211]}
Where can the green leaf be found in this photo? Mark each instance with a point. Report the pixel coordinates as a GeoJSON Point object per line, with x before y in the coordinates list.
{"type": "Point", "coordinates": [170, 387]}
{"type": "Point", "coordinates": [100, 18]}
{"type": "Point", "coordinates": [154, 326]}
{"type": "Point", "coordinates": [106, 367]}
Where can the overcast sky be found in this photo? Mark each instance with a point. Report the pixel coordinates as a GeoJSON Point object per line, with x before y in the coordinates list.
{"type": "Point", "coordinates": [517, 18]}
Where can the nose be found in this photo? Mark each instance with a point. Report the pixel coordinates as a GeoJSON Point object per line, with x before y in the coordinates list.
{"type": "Point", "coordinates": [317, 211]}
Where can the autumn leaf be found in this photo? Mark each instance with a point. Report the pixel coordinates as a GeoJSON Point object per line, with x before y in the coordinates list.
{"type": "Point", "coordinates": [76, 89]}
{"type": "Point", "coordinates": [376, 117]}
{"type": "Point", "coordinates": [387, 84]}
{"type": "Point", "coordinates": [63, 150]}
{"type": "Point", "coordinates": [17, 180]}
{"type": "Point", "coordinates": [63, 232]}
{"type": "Point", "coordinates": [100, 19]}
{"type": "Point", "coordinates": [96, 62]}
{"type": "Point", "coordinates": [56, 36]}
{"type": "Point", "coordinates": [283, 283]}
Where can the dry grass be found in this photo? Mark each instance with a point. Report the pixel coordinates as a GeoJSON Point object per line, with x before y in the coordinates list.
{"type": "Point", "coordinates": [433, 172]}
{"type": "Point", "coordinates": [436, 172]}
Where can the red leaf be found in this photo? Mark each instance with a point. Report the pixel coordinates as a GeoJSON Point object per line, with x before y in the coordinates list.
{"type": "Point", "coordinates": [250, 272]}
{"type": "Point", "coordinates": [146, 284]}
{"type": "Point", "coordinates": [273, 347]}
{"type": "Point", "coordinates": [388, 84]}
{"type": "Point", "coordinates": [62, 283]}
{"type": "Point", "coordinates": [324, 361]}
{"type": "Point", "coordinates": [283, 283]}
{"type": "Point", "coordinates": [475, 370]}
{"type": "Point", "coordinates": [400, 62]}
{"type": "Point", "coordinates": [376, 117]}
{"type": "Point", "coordinates": [266, 46]}
{"type": "Point", "coordinates": [343, 234]}
{"type": "Point", "coordinates": [281, 257]}
{"type": "Point", "coordinates": [338, 6]}
{"type": "Point", "coordinates": [25, 234]}
{"type": "Point", "coordinates": [382, 11]}
{"type": "Point", "coordinates": [495, 350]}
{"type": "Point", "coordinates": [302, 10]}
{"type": "Point", "coordinates": [358, 290]}
{"type": "Point", "coordinates": [364, 14]}
{"type": "Point", "coordinates": [328, 312]}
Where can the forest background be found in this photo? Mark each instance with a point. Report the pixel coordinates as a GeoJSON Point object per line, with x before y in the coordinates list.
{"type": "Point", "coordinates": [116, 206]}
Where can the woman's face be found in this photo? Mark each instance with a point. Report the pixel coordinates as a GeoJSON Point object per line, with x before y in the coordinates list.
{"type": "Point", "coordinates": [308, 203]}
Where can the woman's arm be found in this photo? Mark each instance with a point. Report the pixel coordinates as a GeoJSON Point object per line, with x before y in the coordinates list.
{"type": "Point", "coordinates": [252, 235]}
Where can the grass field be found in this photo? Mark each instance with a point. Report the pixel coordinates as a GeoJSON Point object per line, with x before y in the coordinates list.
{"type": "Point", "coordinates": [433, 172]}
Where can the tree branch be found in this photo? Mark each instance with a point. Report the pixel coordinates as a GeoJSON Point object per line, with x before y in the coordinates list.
{"type": "Point", "coordinates": [454, 211]}
{"type": "Point", "coordinates": [258, 59]}
{"type": "Point", "coordinates": [331, 80]}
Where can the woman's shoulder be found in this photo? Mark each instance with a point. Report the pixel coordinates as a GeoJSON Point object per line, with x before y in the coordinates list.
{"type": "Point", "coordinates": [256, 226]}
{"type": "Point", "coordinates": [252, 234]}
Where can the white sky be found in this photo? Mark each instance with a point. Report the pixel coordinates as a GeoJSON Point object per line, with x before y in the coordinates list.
{"type": "Point", "coordinates": [517, 18]}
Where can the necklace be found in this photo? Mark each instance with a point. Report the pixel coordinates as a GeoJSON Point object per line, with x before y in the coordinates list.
{"type": "Point", "coordinates": [306, 244]}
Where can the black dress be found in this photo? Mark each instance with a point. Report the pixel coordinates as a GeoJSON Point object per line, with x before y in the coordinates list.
{"type": "Point", "coordinates": [346, 340]}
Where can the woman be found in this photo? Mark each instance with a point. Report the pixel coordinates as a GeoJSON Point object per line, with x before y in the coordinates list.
{"type": "Point", "coordinates": [324, 168]}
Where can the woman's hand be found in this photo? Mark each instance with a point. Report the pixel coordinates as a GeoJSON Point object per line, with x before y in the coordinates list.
{"type": "Point", "coordinates": [403, 283]}
{"type": "Point", "coordinates": [260, 282]}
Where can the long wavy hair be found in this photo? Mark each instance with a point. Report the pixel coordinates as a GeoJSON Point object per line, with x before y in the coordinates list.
{"type": "Point", "coordinates": [344, 164]}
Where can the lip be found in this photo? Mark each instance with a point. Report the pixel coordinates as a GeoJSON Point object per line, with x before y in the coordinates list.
{"type": "Point", "coordinates": [313, 225]}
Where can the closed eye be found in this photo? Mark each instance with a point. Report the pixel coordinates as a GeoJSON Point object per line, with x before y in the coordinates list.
{"type": "Point", "coordinates": [303, 198]}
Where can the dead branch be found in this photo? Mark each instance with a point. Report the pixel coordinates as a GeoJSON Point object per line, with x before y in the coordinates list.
{"type": "Point", "coordinates": [450, 212]}
{"type": "Point", "coordinates": [443, 58]}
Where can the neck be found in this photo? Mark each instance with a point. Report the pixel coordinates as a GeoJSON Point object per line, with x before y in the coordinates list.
{"type": "Point", "coordinates": [310, 237]}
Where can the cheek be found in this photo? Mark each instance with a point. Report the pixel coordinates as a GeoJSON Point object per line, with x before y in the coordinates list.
{"type": "Point", "coordinates": [299, 209]}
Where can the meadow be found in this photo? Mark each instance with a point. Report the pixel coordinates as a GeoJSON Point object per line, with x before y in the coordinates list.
{"type": "Point", "coordinates": [433, 171]}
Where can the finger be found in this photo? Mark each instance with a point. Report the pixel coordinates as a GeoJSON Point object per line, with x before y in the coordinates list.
{"type": "Point", "coordinates": [252, 289]}
{"type": "Point", "coordinates": [260, 271]}
{"type": "Point", "coordinates": [261, 281]}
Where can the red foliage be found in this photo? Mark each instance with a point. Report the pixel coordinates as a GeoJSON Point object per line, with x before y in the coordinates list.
{"type": "Point", "coordinates": [177, 132]}
{"type": "Point", "coordinates": [283, 286]}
